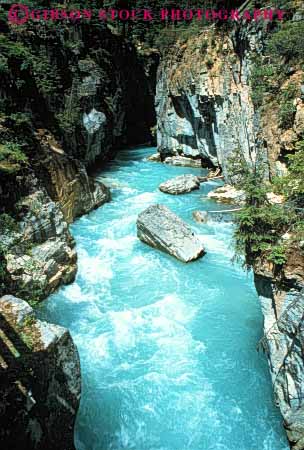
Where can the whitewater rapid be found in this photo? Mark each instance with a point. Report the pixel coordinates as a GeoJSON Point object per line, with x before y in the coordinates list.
{"type": "Point", "coordinates": [168, 350]}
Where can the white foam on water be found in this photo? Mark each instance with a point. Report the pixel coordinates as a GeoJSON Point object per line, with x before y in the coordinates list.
{"type": "Point", "coordinates": [215, 245]}
{"type": "Point", "coordinates": [150, 380]}
{"type": "Point", "coordinates": [124, 244]}
{"type": "Point", "coordinates": [99, 347]}
{"type": "Point", "coordinates": [73, 293]}
{"type": "Point", "coordinates": [144, 199]}
{"type": "Point", "coordinates": [160, 327]}
{"type": "Point", "coordinates": [94, 268]}
{"type": "Point", "coordinates": [119, 228]}
{"type": "Point", "coordinates": [128, 190]}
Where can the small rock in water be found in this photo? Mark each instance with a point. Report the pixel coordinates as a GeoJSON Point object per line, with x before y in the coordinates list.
{"type": "Point", "coordinates": [180, 185]}
{"type": "Point", "coordinates": [200, 216]}
{"type": "Point", "coordinates": [183, 161]}
{"type": "Point", "coordinates": [160, 228]}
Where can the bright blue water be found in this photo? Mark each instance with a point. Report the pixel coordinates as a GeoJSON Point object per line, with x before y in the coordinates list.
{"type": "Point", "coordinates": [168, 350]}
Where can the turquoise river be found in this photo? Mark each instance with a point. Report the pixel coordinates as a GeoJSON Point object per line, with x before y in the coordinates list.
{"type": "Point", "coordinates": [168, 350]}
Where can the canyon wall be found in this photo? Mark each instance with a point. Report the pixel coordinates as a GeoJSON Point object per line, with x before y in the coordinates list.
{"type": "Point", "coordinates": [206, 111]}
{"type": "Point", "coordinates": [70, 96]}
{"type": "Point", "coordinates": [40, 380]}
{"type": "Point", "coordinates": [204, 104]}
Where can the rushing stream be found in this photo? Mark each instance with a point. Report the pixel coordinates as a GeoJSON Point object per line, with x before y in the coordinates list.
{"type": "Point", "coordinates": [168, 350]}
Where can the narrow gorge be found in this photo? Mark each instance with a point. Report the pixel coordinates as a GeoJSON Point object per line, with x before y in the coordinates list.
{"type": "Point", "coordinates": [148, 352]}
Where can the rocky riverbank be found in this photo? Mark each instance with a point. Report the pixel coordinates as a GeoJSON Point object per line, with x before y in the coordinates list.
{"type": "Point", "coordinates": [40, 380]}
{"type": "Point", "coordinates": [70, 96]}
{"type": "Point", "coordinates": [209, 96]}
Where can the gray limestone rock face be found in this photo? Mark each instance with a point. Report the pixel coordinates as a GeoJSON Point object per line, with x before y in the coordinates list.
{"type": "Point", "coordinates": [40, 380]}
{"type": "Point", "coordinates": [284, 345]}
{"type": "Point", "coordinates": [180, 185]}
{"type": "Point", "coordinates": [41, 256]}
{"type": "Point", "coordinates": [208, 113]}
{"type": "Point", "coordinates": [160, 228]}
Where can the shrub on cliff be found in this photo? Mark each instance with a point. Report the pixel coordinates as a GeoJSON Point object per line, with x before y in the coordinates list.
{"type": "Point", "coordinates": [292, 184]}
{"type": "Point", "coordinates": [12, 158]}
{"type": "Point", "coordinates": [260, 224]}
{"type": "Point", "coordinates": [283, 55]}
{"type": "Point", "coordinates": [288, 42]}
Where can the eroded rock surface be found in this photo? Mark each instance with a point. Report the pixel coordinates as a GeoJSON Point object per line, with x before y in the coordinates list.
{"type": "Point", "coordinates": [227, 194]}
{"type": "Point", "coordinates": [282, 301]}
{"type": "Point", "coordinates": [160, 228]}
{"type": "Point", "coordinates": [40, 380]}
{"type": "Point", "coordinates": [40, 252]}
{"type": "Point", "coordinates": [180, 185]}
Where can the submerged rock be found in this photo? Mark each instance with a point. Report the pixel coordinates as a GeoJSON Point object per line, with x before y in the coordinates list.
{"type": "Point", "coordinates": [183, 161]}
{"type": "Point", "coordinates": [160, 228]}
{"type": "Point", "coordinates": [40, 380]}
{"type": "Point", "coordinates": [180, 185]}
{"type": "Point", "coordinates": [155, 157]}
{"type": "Point", "coordinates": [200, 216]}
{"type": "Point", "coordinates": [227, 194]}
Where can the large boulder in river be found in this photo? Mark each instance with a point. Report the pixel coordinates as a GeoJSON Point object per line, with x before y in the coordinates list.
{"type": "Point", "coordinates": [160, 228]}
{"type": "Point", "coordinates": [180, 185]}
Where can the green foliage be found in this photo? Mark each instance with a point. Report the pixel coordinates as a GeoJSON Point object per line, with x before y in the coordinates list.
{"type": "Point", "coordinates": [287, 107]}
{"type": "Point", "coordinates": [45, 75]}
{"type": "Point", "coordinates": [43, 72]}
{"type": "Point", "coordinates": [204, 46]}
{"type": "Point", "coordinates": [13, 49]}
{"type": "Point", "coordinates": [263, 81]}
{"type": "Point", "coordinates": [248, 177]}
{"type": "Point", "coordinates": [68, 119]}
{"type": "Point", "coordinates": [260, 224]}
{"type": "Point", "coordinates": [259, 230]}
{"type": "Point", "coordinates": [7, 224]}
{"type": "Point", "coordinates": [12, 158]}
{"type": "Point", "coordinates": [277, 254]}
{"type": "Point", "coordinates": [285, 46]}
{"type": "Point", "coordinates": [288, 42]}
{"type": "Point", "coordinates": [20, 118]}
{"type": "Point", "coordinates": [3, 64]}
{"type": "Point", "coordinates": [34, 302]}
{"type": "Point", "coordinates": [292, 185]}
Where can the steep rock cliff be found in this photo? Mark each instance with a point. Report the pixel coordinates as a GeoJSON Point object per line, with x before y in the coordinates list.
{"type": "Point", "coordinates": [204, 101]}
{"type": "Point", "coordinates": [69, 96]}
{"type": "Point", "coordinates": [40, 380]}
{"type": "Point", "coordinates": [281, 295]}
